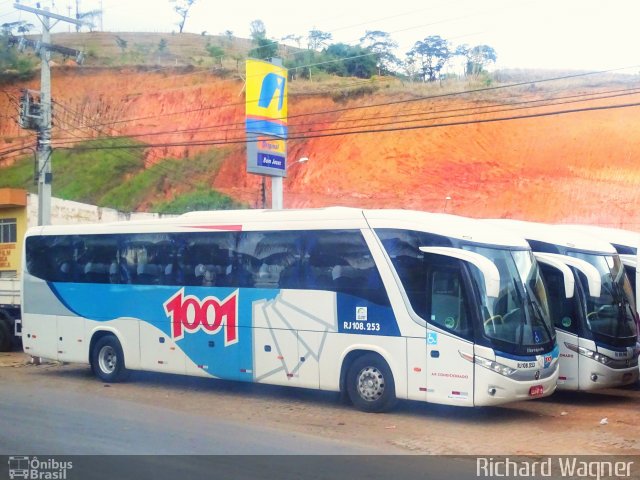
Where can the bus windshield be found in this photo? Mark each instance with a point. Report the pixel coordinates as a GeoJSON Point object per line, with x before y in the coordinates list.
{"type": "Point", "coordinates": [519, 316]}
{"type": "Point", "coordinates": [612, 314]}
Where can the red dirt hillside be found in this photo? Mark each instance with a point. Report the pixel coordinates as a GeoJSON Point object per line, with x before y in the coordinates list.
{"type": "Point", "coordinates": [575, 167]}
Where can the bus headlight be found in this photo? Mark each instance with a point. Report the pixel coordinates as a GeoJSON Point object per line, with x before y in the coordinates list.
{"type": "Point", "coordinates": [598, 357]}
{"type": "Point", "coordinates": [495, 366]}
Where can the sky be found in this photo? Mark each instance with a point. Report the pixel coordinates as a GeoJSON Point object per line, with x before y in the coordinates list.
{"type": "Point", "coordinates": [545, 34]}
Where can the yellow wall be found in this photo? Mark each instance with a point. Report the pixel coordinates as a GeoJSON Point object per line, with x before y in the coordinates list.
{"type": "Point", "coordinates": [11, 253]}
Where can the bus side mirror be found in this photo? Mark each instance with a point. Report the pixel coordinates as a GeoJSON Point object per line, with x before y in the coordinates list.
{"type": "Point", "coordinates": [487, 267]}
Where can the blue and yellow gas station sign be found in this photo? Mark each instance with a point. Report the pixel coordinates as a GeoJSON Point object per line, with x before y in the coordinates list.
{"type": "Point", "coordinates": [266, 101]}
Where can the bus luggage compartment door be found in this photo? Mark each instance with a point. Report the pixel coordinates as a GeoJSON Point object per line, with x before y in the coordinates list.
{"type": "Point", "coordinates": [70, 339]}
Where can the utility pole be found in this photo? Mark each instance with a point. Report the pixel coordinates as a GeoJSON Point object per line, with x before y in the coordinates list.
{"type": "Point", "coordinates": [44, 124]}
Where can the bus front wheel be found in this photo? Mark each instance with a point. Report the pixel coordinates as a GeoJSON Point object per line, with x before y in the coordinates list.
{"type": "Point", "coordinates": [370, 384]}
{"type": "Point", "coordinates": [107, 359]}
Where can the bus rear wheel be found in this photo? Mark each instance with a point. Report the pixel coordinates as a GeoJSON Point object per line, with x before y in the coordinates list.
{"type": "Point", "coordinates": [370, 384]}
{"type": "Point", "coordinates": [107, 360]}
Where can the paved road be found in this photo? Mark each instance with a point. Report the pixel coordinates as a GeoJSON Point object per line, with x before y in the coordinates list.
{"type": "Point", "coordinates": [52, 422]}
{"type": "Point", "coordinates": [65, 422]}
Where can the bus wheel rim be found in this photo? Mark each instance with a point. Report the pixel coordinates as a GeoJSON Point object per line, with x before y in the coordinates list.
{"type": "Point", "coordinates": [107, 359]}
{"type": "Point", "coordinates": [370, 384]}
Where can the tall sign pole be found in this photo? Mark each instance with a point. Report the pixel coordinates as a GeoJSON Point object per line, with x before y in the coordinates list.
{"type": "Point", "coordinates": [44, 135]}
{"type": "Point", "coordinates": [266, 123]}
{"type": "Point", "coordinates": [44, 130]}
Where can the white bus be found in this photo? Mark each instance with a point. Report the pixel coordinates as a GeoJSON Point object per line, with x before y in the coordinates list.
{"type": "Point", "coordinates": [378, 304]}
{"type": "Point", "coordinates": [591, 304]}
{"type": "Point", "coordinates": [626, 244]}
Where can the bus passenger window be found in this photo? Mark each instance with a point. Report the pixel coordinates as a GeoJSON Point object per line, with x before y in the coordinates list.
{"type": "Point", "coordinates": [272, 258]}
{"type": "Point", "coordinates": [96, 257]}
{"type": "Point", "coordinates": [340, 261]}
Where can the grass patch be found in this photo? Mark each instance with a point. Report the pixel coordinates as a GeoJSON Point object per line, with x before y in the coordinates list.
{"type": "Point", "coordinates": [117, 178]}
{"type": "Point", "coordinates": [19, 175]}
{"type": "Point", "coordinates": [166, 176]}
{"type": "Point", "coordinates": [89, 175]}
{"type": "Point", "coordinates": [201, 199]}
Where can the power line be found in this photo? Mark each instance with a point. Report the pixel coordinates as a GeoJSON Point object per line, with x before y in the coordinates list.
{"type": "Point", "coordinates": [515, 105]}
{"type": "Point", "coordinates": [382, 130]}
{"type": "Point", "coordinates": [375, 105]}
{"type": "Point", "coordinates": [158, 166]}
{"type": "Point", "coordinates": [436, 115]}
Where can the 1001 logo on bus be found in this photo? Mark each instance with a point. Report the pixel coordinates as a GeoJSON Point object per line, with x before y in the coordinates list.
{"type": "Point", "coordinates": [189, 313]}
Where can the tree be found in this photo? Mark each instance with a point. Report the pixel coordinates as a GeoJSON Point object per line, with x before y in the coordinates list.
{"type": "Point", "coordinates": [228, 38]}
{"type": "Point", "coordinates": [410, 65]}
{"type": "Point", "coordinates": [88, 19]}
{"type": "Point", "coordinates": [265, 48]}
{"type": "Point", "coordinates": [382, 45]}
{"type": "Point", "coordinates": [317, 39]}
{"type": "Point", "coordinates": [182, 8]}
{"type": "Point", "coordinates": [354, 61]}
{"type": "Point", "coordinates": [162, 45]}
{"type": "Point", "coordinates": [258, 29]}
{"type": "Point", "coordinates": [295, 38]}
{"type": "Point", "coordinates": [478, 58]}
{"type": "Point", "coordinates": [216, 52]}
{"type": "Point", "coordinates": [122, 43]}
{"type": "Point", "coordinates": [433, 53]}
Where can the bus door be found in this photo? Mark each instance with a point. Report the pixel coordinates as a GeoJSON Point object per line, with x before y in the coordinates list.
{"type": "Point", "coordinates": [449, 330]}
{"type": "Point", "coordinates": [564, 309]}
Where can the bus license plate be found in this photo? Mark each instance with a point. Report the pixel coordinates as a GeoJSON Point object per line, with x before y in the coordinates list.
{"type": "Point", "coordinates": [536, 391]}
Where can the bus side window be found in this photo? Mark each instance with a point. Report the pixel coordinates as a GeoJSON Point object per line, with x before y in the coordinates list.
{"type": "Point", "coordinates": [205, 259]}
{"type": "Point", "coordinates": [340, 261]}
{"type": "Point", "coordinates": [272, 258]}
{"type": "Point", "coordinates": [561, 309]}
{"type": "Point", "coordinates": [448, 308]}
{"type": "Point", "coordinates": [97, 256]}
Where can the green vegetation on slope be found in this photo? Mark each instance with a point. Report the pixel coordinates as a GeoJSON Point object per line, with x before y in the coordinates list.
{"type": "Point", "coordinates": [200, 199]}
{"type": "Point", "coordinates": [172, 176]}
{"type": "Point", "coordinates": [90, 175]}
{"type": "Point", "coordinates": [18, 175]}
{"type": "Point", "coordinates": [117, 178]}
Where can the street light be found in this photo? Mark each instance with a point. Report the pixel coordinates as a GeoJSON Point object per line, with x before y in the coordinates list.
{"type": "Point", "coordinates": [277, 186]}
{"type": "Point", "coordinates": [300, 160]}
{"type": "Point", "coordinates": [446, 201]}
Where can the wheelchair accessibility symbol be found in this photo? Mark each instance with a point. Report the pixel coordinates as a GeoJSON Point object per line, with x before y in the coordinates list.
{"type": "Point", "coordinates": [432, 338]}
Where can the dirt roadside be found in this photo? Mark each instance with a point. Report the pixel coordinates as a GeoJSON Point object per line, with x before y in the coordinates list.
{"type": "Point", "coordinates": [564, 424]}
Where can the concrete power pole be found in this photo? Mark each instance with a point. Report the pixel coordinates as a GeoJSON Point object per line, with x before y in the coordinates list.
{"type": "Point", "coordinates": [44, 130]}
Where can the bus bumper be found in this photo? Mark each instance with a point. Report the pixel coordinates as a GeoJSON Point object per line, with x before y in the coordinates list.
{"type": "Point", "coordinates": [594, 375]}
{"type": "Point", "coordinates": [491, 388]}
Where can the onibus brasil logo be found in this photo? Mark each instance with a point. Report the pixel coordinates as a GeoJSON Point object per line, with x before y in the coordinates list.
{"type": "Point", "coordinates": [190, 314]}
{"type": "Point", "coordinates": [32, 468]}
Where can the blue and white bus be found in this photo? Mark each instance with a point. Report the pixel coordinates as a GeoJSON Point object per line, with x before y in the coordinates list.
{"type": "Point", "coordinates": [378, 304]}
{"type": "Point", "coordinates": [591, 303]}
